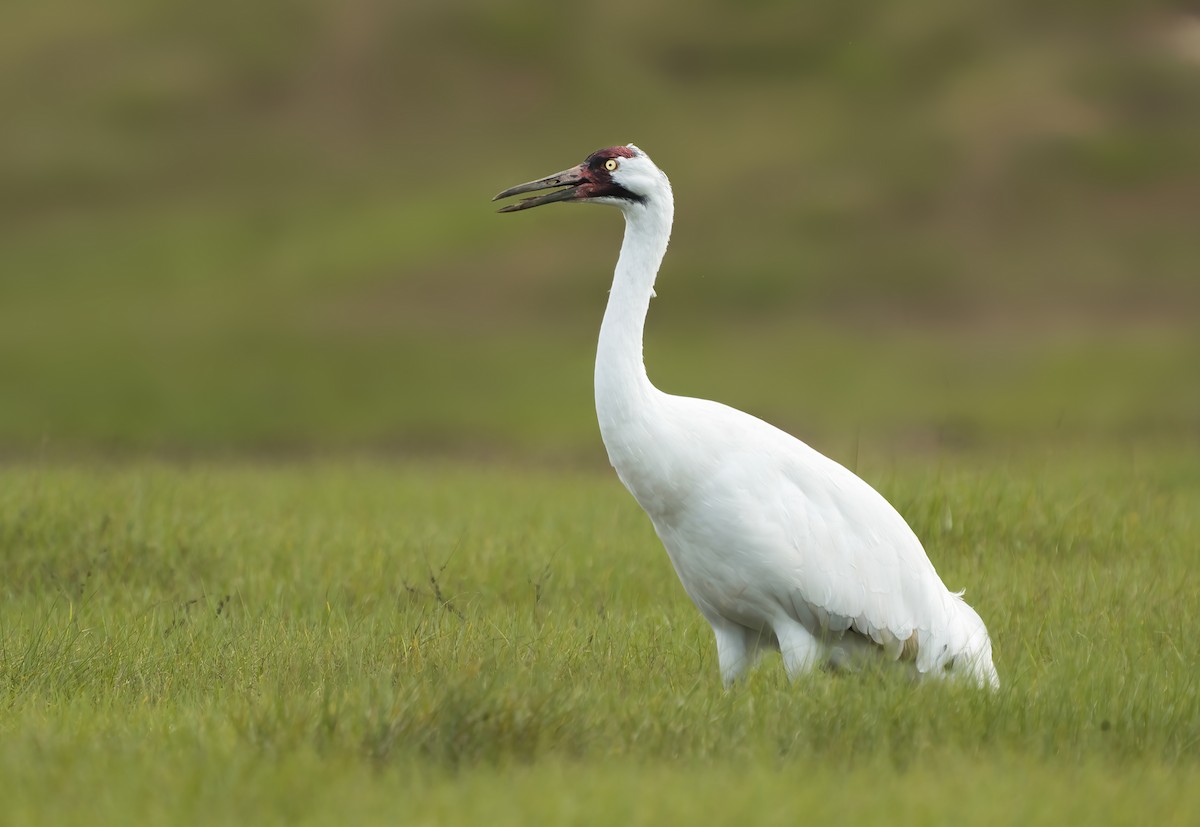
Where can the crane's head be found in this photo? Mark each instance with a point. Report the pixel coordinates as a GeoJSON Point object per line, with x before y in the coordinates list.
{"type": "Point", "coordinates": [623, 176]}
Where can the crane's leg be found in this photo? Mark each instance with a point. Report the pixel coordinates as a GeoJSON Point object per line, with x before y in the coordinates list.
{"type": "Point", "coordinates": [738, 648]}
{"type": "Point", "coordinates": [801, 651]}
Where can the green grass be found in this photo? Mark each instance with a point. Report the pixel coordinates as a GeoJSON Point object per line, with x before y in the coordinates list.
{"type": "Point", "coordinates": [365, 642]}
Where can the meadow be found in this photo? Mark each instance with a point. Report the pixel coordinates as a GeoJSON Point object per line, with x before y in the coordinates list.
{"type": "Point", "coordinates": [304, 517]}
{"type": "Point", "coordinates": [377, 643]}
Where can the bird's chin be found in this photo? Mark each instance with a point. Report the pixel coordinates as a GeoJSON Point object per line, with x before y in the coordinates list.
{"type": "Point", "coordinates": [609, 201]}
{"type": "Point", "coordinates": [593, 193]}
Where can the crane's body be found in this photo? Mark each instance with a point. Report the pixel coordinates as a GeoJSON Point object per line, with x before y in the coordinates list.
{"type": "Point", "coordinates": [779, 546]}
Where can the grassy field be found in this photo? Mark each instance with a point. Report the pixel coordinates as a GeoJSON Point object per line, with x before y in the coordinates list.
{"type": "Point", "coordinates": [353, 641]}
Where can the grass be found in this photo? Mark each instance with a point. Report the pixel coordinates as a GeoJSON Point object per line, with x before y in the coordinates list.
{"type": "Point", "coordinates": [329, 641]}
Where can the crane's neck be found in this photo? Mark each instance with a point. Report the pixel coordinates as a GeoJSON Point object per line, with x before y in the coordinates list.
{"type": "Point", "coordinates": [623, 391]}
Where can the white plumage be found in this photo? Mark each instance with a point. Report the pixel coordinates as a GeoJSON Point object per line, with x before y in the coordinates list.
{"type": "Point", "coordinates": [777, 545]}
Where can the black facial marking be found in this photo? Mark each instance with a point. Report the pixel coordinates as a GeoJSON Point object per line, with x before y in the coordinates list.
{"type": "Point", "coordinates": [617, 191]}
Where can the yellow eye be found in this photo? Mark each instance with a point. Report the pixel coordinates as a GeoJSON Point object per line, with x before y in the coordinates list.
{"type": "Point", "coordinates": [610, 164]}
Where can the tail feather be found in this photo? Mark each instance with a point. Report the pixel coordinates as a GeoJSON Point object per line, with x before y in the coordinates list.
{"type": "Point", "coordinates": [961, 648]}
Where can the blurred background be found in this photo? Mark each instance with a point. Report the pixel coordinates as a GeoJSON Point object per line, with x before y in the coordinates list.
{"type": "Point", "coordinates": [265, 228]}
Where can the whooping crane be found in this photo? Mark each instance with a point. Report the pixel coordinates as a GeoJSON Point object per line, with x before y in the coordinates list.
{"type": "Point", "coordinates": [779, 546]}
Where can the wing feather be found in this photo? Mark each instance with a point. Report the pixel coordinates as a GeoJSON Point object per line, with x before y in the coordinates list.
{"type": "Point", "coordinates": [769, 529]}
{"type": "Point", "coordinates": [848, 555]}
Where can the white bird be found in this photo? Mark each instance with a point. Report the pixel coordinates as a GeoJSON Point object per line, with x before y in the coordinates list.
{"type": "Point", "coordinates": [779, 546]}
